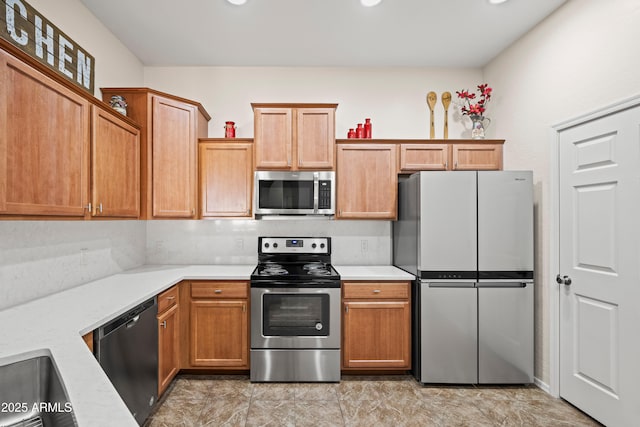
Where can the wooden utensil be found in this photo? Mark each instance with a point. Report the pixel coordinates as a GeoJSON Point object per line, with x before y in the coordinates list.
{"type": "Point", "coordinates": [446, 101]}
{"type": "Point", "coordinates": [432, 98]}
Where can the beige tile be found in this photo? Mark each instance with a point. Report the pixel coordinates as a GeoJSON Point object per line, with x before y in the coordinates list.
{"type": "Point", "coordinates": [176, 412]}
{"type": "Point", "coordinates": [322, 413]}
{"type": "Point", "coordinates": [191, 389]}
{"type": "Point", "coordinates": [316, 392]}
{"type": "Point", "coordinates": [273, 391]}
{"type": "Point", "coordinates": [224, 412]}
{"type": "Point", "coordinates": [265, 413]}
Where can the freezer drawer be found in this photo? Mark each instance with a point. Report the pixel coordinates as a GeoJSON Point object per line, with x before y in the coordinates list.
{"type": "Point", "coordinates": [448, 325]}
{"type": "Point", "coordinates": [505, 332]}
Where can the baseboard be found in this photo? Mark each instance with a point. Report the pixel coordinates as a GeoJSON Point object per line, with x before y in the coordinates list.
{"type": "Point", "coordinates": [542, 385]}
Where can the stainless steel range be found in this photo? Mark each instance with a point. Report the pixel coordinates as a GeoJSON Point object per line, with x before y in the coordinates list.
{"type": "Point", "coordinates": [295, 311]}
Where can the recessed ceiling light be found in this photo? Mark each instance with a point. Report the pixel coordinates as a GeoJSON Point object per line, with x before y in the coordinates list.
{"type": "Point", "coordinates": [370, 3]}
{"type": "Point", "coordinates": [497, 1]}
{"type": "Point", "coordinates": [237, 2]}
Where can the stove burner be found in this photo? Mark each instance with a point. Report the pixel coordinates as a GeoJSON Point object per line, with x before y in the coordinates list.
{"type": "Point", "coordinates": [273, 269]}
{"type": "Point", "coordinates": [315, 265]}
{"type": "Point", "coordinates": [320, 272]}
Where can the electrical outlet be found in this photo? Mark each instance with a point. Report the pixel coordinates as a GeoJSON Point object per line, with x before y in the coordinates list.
{"type": "Point", "coordinates": [83, 256]}
{"type": "Point", "coordinates": [364, 246]}
{"type": "Point", "coordinates": [239, 243]}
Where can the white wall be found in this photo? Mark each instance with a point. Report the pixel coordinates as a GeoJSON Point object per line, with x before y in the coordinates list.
{"type": "Point", "coordinates": [394, 98]}
{"type": "Point", "coordinates": [582, 57]}
{"type": "Point", "coordinates": [115, 65]}
{"type": "Point", "coordinates": [236, 241]}
{"type": "Point", "coordinates": [38, 258]}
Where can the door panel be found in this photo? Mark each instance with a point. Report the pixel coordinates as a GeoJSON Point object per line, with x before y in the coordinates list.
{"type": "Point", "coordinates": [448, 224]}
{"type": "Point", "coordinates": [599, 190]}
{"type": "Point", "coordinates": [505, 221]}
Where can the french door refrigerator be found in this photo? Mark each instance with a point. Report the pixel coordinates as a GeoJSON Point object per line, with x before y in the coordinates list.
{"type": "Point", "coordinates": [468, 238]}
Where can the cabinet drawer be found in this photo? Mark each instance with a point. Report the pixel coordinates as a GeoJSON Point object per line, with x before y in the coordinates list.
{"type": "Point", "coordinates": [167, 299]}
{"type": "Point", "coordinates": [219, 290]}
{"type": "Point", "coordinates": [384, 290]}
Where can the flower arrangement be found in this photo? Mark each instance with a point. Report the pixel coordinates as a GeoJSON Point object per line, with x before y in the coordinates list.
{"type": "Point", "coordinates": [469, 109]}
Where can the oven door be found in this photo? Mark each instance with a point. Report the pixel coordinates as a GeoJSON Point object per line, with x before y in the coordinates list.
{"type": "Point", "coordinates": [301, 318]}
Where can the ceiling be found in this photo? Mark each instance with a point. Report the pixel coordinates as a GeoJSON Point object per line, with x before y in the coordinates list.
{"type": "Point", "coordinates": [328, 33]}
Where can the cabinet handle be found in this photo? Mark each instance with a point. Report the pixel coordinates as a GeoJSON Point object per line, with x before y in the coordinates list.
{"type": "Point", "coordinates": [455, 165]}
{"type": "Point", "coordinates": [217, 291]}
{"type": "Point", "coordinates": [89, 207]}
{"type": "Point", "coordinates": [346, 308]}
{"type": "Point", "coordinates": [193, 212]}
{"type": "Point", "coordinates": [100, 207]}
{"type": "Point", "coordinates": [446, 165]}
{"type": "Point", "coordinates": [171, 298]}
{"type": "Point", "coordinates": [244, 308]}
{"type": "Point", "coordinates": [164, 324]}
{"type": "Point", "coordinates": [376, 291]}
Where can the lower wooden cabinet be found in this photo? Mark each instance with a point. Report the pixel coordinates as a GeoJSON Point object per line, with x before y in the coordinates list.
{"type": "Point", "coordinates": [219, 325]}
{"type": "Point", "coordinates": [168, 338]}
{"type": "Point", "coordinates": [376, 325]}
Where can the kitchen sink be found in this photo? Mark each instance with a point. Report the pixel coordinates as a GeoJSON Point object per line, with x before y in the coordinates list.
{"type": "Point", "coordinates": [32, 394]}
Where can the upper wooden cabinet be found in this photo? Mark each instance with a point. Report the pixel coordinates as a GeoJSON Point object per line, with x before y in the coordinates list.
{"type": "Point", "coordinates": [450, 155]}
{"type": "Point", "coordinates": [44, 144]}
{"type": "Point", "coordinates": [170, 128]}
{"type": "Point", "coordinates": [483, 156]}
{"type": "Point", "coordinates": [366, 181]}
{"type": "Point", "coordinates": [226, 177]}
{"type": "Point", "coordinates": [115, 170]}
{"type": "Point", "coordinates": [294, 136]}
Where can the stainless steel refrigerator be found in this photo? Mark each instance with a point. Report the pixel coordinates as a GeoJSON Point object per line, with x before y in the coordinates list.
{"type": "Point", "coordinates": [468, 238]}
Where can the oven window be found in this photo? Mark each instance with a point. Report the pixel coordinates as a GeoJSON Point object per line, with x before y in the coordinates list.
{"type": "Point", "coordinates": [278, 194]}
{"type": "Point", "coordinates": [295, 315]}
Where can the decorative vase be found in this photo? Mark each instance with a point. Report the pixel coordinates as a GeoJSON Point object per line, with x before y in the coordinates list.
{"type": "Point", "coordinates": [119, 104]}
{"type": "Point", "coordinates": [478, 125]}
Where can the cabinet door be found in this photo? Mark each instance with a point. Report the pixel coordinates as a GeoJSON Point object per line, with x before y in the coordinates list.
{"type": "Point", "coordinates": [226, 172]}
{"type": "Point", "coordinates": [168, 347]}
{"type": "Point", "coordinates": [367, 181]}
{"type": "Point", "coordinates": [44, 144]}
{"type": "Point", "coordinates": [219, 333]}
{"type": "Point", "coordinates": [376, 334]}
{"type": "Point", "coordinates": [477, 156]}
{"type": "Point", "coordinates": [315, 138]}
{"type": "Point", "coordinates": [422, 157]}
{"type": "Point", "coordinates": [273, 138]}
{"type": "Point", "coordinates": [174, 158]}
{"type": "Point", "coordinates": [115, 171]}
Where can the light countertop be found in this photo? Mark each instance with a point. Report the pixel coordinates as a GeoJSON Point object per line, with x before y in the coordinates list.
{"type": "Point", "coordinates": [54, 325]}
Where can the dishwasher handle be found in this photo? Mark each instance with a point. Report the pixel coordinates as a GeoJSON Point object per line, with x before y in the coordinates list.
{"type": "Point", "coordinates": [505, 284]}
{"type": "Point", "coordinates": [456, 284]}
{"type": "Point", "coordinates": [131, 323]}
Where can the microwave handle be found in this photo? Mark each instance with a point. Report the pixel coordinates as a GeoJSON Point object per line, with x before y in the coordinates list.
{"type": "Point", "coordinates": [316, 190]}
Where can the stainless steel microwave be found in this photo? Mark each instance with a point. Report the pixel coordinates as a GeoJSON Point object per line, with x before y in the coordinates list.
{"type": "Point", "coordinates": [294, 193]}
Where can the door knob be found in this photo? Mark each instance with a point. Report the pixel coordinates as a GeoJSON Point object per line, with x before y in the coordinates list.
{"type": "Point", "coordinates": [563, 280]}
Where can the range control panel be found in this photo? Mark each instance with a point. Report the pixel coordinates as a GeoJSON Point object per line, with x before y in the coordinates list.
{"type": "Point", "coordinates": [295, 245]}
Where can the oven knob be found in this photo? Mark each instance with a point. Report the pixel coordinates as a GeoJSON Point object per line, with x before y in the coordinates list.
{"type": "Point", "coordinates": [319, 326]}
{"type": "Point", "coordinates": [313, 245]}
{"type": "Point", "coordinates": [321, 245]}
{"type": "Point", "coordinates": [275, 245]}
{"type": "Point", "coordinates": [266, 245]}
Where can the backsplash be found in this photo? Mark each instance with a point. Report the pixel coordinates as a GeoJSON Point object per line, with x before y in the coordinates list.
{"type": "Point", "coordinates": [39, 258]}
{"type": "Point", "coordinates": [236, 241]}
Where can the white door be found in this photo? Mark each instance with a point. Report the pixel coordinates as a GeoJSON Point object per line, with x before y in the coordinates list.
{"type": "Point", "coordinates": [599, 189]}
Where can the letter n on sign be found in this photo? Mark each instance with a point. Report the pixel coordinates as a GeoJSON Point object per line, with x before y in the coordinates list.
{"type": "Point", "coordinates": [27, 29]}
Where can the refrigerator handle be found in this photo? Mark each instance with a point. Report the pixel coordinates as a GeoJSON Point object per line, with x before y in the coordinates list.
{"type": "Point", "coordinates": [511, 284]}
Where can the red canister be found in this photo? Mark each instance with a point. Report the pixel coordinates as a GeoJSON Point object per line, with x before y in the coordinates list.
{"type": "Point", "coordinates": [229, 130]}
{"type": "Point", "coordinates": [367, 128]}
{"type": "Point", "coordinates": [351, 134]}
{"type": "Point", "coordinates": [359, 131]}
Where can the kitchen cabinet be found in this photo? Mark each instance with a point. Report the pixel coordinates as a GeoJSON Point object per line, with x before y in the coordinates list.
{"type": "Point", "coordinates": [376, 325]}
{"type": "Point", "coordinates": [115, 166]}
{"type": "Point", "coordinates": [170, 128]}
{"type": "Point", "coordinates": [88, 340]}
{"type": "Point", "coordinates": [226, 177]}
{"type": "Point", "coordinates": [419, 157]}
{"type": "Point", "coordinates": [219, 324]}
{"type": "Point", "coordinates": [168, 337]}
{"type": "Point", "coordinates": [366, 181]}
{"type": "Point", "coordinates": [44, 144]}
{"type": "Point", "coordinates": [294, 136]}
{"type": "Point", "coordinates": [481, 156]}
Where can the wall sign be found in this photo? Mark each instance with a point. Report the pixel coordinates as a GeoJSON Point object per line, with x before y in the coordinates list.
{"type": "Point", "coordinates": [26, 28]}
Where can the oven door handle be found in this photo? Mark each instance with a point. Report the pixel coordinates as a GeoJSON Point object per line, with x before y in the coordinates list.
{"type": "Point", "coordinates": [315, 284]}
{"type": "Point", "coordinates": [316, 189]}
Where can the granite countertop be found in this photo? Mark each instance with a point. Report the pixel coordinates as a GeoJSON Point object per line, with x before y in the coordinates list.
{"type": "Point", "coordinates": [54, 325]}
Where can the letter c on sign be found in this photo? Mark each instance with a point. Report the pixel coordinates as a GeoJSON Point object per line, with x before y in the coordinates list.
{"type": "Point", "coordinates": [23, 38]}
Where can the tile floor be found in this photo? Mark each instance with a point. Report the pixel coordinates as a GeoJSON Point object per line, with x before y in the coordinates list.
{"type": "Point", "coordinates": [356, 401]}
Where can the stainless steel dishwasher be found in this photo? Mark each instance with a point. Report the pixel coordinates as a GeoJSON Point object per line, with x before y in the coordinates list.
{"type": "Point", "coordinates": [127, 349]}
